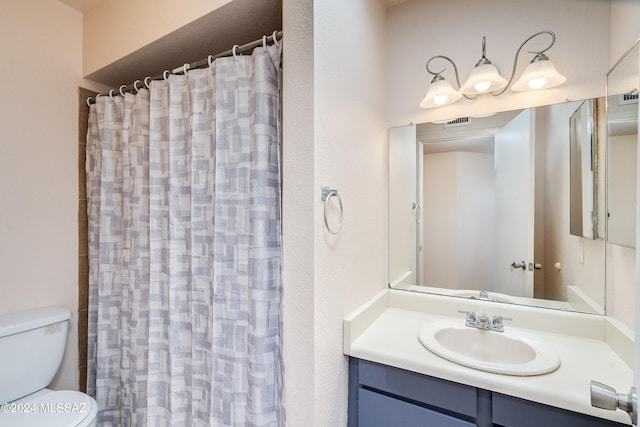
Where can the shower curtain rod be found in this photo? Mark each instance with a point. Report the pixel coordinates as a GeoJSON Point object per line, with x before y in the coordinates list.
{"type": "Point", "coordinates": [190, 66]}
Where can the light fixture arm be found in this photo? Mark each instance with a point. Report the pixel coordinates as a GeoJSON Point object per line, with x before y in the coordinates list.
{"type": "Point", "coordinates": [436, 75]}
{"type": "Point", "coordinates": [538, 53]}
{"type": "Point", "coordinates": [484, 59]}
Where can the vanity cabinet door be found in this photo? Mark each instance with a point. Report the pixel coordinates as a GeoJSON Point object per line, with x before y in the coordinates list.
{"type": "Point", "coordinates": [381, 395]}
{"type": "Point", "coordinates": [379, 410]}
{"type": "Point", "coordinates": [511, 411]}
{"type": "Point", "coordinates": [434, 392]}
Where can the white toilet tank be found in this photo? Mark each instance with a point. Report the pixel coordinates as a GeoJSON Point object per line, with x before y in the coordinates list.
{"type": "Point", "coordinates": [31, 348]}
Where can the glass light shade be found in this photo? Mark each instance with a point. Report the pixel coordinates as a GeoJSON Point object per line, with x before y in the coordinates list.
{"type": "Point", "coordinates": [484, 78]}
{"type": "Point", "coordinates": [440, 93]}
{"type": "Point", "coordinates": [540, 74]}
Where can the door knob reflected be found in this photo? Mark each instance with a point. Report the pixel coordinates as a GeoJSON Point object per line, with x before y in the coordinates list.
{"type": "Point", "coordinates": [535, 266]}
{"type": "Point", "coordinates": [520, 264]}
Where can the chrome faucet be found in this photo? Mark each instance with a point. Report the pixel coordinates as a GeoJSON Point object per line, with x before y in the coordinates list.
{"type": "Point", "coordinates": [482, 321]}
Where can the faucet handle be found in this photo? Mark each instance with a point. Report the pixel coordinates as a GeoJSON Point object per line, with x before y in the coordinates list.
{"type": "Point", "coordinates": [471, 317]}
{"type": "Point", "coordinates": [483, 322]}
{"type": "Point", "coordinates": [496, 323]}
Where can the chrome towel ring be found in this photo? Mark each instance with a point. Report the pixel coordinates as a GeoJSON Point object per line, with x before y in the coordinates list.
{"type": "Point", "coordinates": [326, 194]}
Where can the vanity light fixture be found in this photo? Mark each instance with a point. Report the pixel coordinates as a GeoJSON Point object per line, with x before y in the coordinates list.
{"type": "Point", "coordinates": [486, 79]}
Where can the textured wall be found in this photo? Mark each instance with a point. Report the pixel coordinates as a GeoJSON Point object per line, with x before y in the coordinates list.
{"type": "Point", "coordinates": [41, 41]}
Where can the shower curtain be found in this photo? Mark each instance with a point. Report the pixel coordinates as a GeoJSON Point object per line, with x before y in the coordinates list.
{"type": "Point", "coordinates": [183, 188]}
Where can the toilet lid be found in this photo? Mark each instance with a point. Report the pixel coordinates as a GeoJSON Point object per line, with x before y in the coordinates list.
{"type": "Point", "coordinates": [55, 409]}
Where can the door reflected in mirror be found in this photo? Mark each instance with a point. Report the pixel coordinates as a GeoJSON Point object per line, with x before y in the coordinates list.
{"type": "Point", "coordinates": [494, 211]}
{"type": "Point", "coordinates": [584, 200]}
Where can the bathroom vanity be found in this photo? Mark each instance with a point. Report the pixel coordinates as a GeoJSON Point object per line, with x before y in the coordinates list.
{"type": "Point", "coordinates": [381, 395]}
{"type": "Point", "coordinates": [395, 380]}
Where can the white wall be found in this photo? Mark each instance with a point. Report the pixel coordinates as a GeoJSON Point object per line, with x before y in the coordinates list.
{"type": "Point", "coordinates": [41, 43]}
{"type": "Point", "coordinates": [625, 27]}
{"type": "Point", "coordinates": [621, 189]}
{"type": "Point", "coordinates": [299, 193]}
{"type": "Point", "coordinates": [420, 29]}
{"type": "Point", "coordinates": [350, 155]}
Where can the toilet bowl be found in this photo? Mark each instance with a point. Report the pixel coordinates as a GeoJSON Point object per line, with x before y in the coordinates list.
{"type": "Point", "coordinates": [31, 348]}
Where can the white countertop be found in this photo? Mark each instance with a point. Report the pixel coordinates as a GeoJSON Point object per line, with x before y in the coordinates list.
{"type": "Point", "coordinates": [590, 347]}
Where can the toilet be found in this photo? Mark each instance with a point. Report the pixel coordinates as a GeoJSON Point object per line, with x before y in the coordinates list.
{"type": "Point", "coordinates": [32, 344]}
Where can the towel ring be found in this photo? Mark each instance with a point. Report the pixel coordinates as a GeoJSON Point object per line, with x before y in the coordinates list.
{"type": "Point", "coordinates": [326, 195]}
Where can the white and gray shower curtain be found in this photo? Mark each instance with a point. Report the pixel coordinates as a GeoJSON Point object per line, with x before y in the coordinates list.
{"type": "Point", "coordinates": [183, 187]}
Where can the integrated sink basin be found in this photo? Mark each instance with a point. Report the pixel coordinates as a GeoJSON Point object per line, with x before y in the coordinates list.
{"type": "Point", "coordinates": [507, 353]}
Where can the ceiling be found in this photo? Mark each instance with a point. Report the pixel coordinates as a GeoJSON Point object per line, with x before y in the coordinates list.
{"type": "Point", "coordinates": [86, 5]}
{"type": "Point", "coordinates": [475, 134]}
{"type": "Point", "coordinates": [81, 5]}
{"type": "Point", "coordinates": [237, 22]}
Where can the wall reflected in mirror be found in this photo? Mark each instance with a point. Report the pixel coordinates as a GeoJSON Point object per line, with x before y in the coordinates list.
{"type": "Point", "coordinates": [488, 207]}
{"type": "Point", "coordinates": [622, 143]}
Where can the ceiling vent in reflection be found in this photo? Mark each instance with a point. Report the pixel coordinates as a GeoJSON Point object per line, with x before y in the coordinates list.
{"type": "Point", "coordinates": [460, 121]}
{"type": "Point", "coordinates": [628, 98]}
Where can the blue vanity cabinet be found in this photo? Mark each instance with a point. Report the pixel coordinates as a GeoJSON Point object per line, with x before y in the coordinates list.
{"type": "Point", "coordinates": [383, 396]}
{"type": "Point", "coordinates": [511, 411]}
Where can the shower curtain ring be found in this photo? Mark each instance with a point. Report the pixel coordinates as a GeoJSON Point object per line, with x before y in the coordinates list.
{"type": "Point", "coordinates": [235, 55]}
{"type": "Point", "coordinates": [111, 94]}
{"type": "Point", "coordinates": [89, 102]}
{"type": "Point", "coordinates": [147, 81]}
{"type": "Point", "coordinates": [135, 86]}
{"type": "Point", "coordinates": [165, 74]}
{"type": "Point", "coordinates": [210, 60]}
{"type": "Point", "coordinates": [185, 67]}
{"type": "Point", "coordinates": [274, 37]}
{"type": "Point", "coordinates": [264, 42]}
{"type": "Point", "coordinates": [121, 88]}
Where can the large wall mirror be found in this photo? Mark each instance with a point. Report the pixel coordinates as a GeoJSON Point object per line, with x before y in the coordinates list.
{"type": "Point", "coordinates": [535, 206]}
{"type": "Point", "coordinates": [489, 204]}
